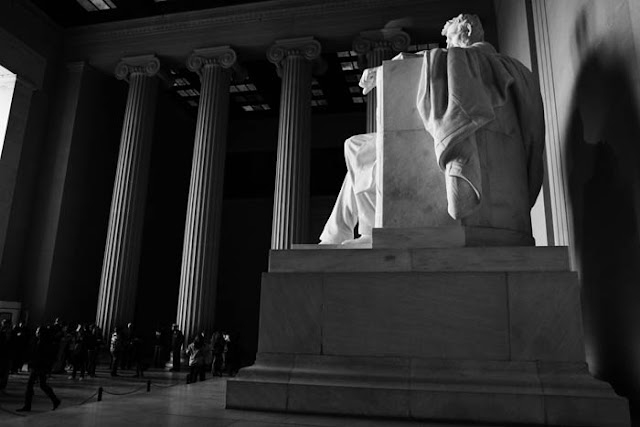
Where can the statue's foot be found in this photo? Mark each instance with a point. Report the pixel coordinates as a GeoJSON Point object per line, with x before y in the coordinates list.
{"type": "Point", "coordinates": [328, 242]}
{"type": "Point", "coordinates": [365, 238]}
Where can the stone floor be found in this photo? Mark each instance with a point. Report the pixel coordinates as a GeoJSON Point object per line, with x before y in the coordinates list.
{"type": "Point", "coordinates": [171, 402]}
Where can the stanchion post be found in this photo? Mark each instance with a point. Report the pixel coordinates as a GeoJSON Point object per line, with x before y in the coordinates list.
{"type": "Point", "coordinates": [99, 394]}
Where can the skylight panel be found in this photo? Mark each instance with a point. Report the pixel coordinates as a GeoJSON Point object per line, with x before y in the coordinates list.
{"type": "Point", "coordinates": [181, 82]}
{"type": "Point", "coordinates": [96, 5]}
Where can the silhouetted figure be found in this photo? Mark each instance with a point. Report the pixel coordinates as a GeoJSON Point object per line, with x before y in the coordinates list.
{"type": "Point", "coordinates": [93, 343]}
{"type": "Point", "coordinates": [115, 348]}
{"type": "Point", "coordinates": [79, 352]}
{"type": "Point", "coordinates": [41, 356]}
{"type": "Point", "coordinates": [177, 339]}
{"type": "Point", "coordinates": [218, 345]}
{"type": "Point", "coordinates": [158, 348]}
{"type": "Point", "coordinates": [61, 341]}
{"type": "Point", "coordinates": [5, 329]}
{"type": "Point", "coordinates": [127, 347]}
{"type": "Point", "coordinates": [138, 355]}
{"type": "Point", "coordinates": [19, 343]}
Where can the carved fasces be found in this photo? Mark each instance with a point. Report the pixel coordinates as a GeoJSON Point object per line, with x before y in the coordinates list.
{"type": "Point", "coordinates": [148, 65]}
{"type": "Point", "coordinates": [306, 47]}
{"type": "Point", "coordinates": [222, 56]}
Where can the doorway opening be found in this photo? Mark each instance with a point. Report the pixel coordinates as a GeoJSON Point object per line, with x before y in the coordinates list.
{"type": "Point", "coordinates": [7, 86]}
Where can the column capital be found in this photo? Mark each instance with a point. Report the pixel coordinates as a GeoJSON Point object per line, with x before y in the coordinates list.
{"type": "Point", "coordinates": [222, 56]}
{"type": "Point", "coordinates": [148, 65]}
{"type": "Point", "coordinates": [306, 47]}
{"type": "Point", "coordinates": [387, 38]}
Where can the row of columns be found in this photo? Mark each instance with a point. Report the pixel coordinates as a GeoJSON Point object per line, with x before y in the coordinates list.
{"type": "Point", "coordinates": [294, 59]}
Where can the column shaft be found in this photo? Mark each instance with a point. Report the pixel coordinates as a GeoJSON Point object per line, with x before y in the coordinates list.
{"type": "Point", "coordinates": [291, 199]}
{"type": "Point", "coordinates": [197, 298]}
{"type": "Point", "coordinates": [118, 284]}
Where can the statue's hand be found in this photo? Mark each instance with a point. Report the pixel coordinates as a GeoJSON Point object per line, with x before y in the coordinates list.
{"type": "Point", "coordinates": [368, 80]}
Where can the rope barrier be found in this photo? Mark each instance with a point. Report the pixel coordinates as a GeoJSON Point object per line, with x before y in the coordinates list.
{"type": "Point", "coordinates": [163, 385]}
{"type": "Point", "coordinates": [99, 394]}
{"type": "Point", "coordinates": [126, 392]}
{"type": "Point", "coordinates": [89, 398]}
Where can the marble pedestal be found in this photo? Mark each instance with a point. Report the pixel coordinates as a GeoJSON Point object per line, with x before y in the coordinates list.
{"type": "Point", "coordinates": [460, 334]}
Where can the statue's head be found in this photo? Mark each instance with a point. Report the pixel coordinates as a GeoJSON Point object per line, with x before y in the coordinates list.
{"type": "Point", "coordinates": [463, 31]}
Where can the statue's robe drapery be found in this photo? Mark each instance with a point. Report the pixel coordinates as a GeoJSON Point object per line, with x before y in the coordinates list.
{"type": "Point", "coordinates": [465, 93]}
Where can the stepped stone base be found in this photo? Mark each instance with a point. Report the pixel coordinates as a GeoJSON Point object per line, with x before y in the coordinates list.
{"type": "Point", "coordinates": [531, 393]}
{"type": "Point", "coordinates": [465, 334]}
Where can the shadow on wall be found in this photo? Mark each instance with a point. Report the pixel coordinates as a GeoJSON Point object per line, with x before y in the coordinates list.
{"type": "Point", "coordinates": [603, 164]}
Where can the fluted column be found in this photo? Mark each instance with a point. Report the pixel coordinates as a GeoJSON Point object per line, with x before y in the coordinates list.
{"type": "Point", "coordinates": [291, 199]}
{"type": "Point", "coordinates": [197, 298]}
{"type": "Point", "coordinates": [374, 47]}
{"type": "Point", "coordinates": [118, 284]}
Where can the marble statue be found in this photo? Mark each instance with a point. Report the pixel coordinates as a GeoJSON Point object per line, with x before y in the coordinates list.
{"type": "Point", "coordinates": [469, 96]}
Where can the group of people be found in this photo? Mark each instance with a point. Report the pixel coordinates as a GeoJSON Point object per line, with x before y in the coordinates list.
{"type": "Point", "coordinates": [74, 349]}
{"type": "Point", "coordinates": [214, 355]}
{"type": "Point", "coordinates": [128, 350]}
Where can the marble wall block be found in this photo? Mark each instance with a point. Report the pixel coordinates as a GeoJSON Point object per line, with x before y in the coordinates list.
{"type": "Point", "coordinates": [416, 315]}
{"type": "Point", "coordinates": [545, 316]}
{"type": "Point", "coordinates": [291, 313]}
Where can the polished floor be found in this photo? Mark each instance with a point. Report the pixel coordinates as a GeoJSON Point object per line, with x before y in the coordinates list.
{"type": "Point", "coordinates": [170, 402]}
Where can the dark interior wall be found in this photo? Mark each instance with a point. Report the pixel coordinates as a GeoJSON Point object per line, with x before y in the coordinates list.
{"type": "Point", "coordinates": [86, 198]}
{"type": "Point", "coordinates": [20, 211]}
{"type": "Point", "coordinates": [165, 214]}
{"type": "Point", "coordinates": [594, 54]}
{"type": "Point", "coordinates": [31, 47]}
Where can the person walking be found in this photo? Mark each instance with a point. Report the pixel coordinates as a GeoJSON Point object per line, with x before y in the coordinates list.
{"type": "Point", "coordinates": [40, 359]}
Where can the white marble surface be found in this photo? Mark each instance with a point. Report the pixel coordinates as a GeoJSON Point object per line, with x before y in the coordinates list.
{"type": "Point", "coordinates": [486, 259]}
{"type": "Point", "coordinates": [411, 185]}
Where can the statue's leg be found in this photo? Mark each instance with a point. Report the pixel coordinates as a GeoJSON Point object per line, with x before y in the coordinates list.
{"type": "Point", "coordinates": [366, 202]}
{"type": "Point", "coordinates": [351, 208]}
{"type": "Point", "coordinates": [343, 218]}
